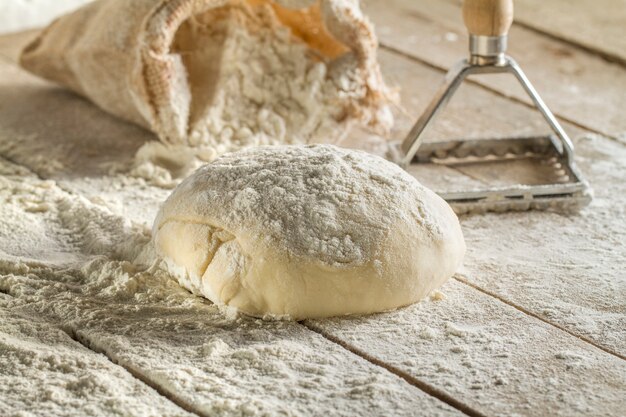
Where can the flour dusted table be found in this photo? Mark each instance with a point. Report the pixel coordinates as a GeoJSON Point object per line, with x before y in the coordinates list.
{"type": "Point", "coordinates": [534, 324]}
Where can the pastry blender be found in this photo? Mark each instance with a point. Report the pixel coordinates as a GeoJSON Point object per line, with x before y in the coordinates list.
{"type": "Point", "coordinates": [564, 188]}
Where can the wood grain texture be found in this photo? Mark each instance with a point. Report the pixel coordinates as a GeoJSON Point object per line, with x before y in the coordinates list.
{"type": "Point", "coordinates": [213, 365]}
{"type": "Point", "coordinates": [196, 356]}
{"type": "Point", "coordinates": [573, 281]}
{"type": "Point", "coordinates": [568, 302]}
{"type": "Point", "coordinates": [465, 117]}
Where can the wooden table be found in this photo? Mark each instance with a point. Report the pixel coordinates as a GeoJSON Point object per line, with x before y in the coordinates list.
{"type": "Point", "coordinates": [534, 324]}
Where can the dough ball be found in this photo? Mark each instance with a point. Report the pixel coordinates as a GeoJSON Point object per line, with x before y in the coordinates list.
{"type": "Point", "coordinates": [307, 231]}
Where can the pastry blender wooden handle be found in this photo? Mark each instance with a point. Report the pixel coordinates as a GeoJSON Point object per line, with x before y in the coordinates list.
{"type": "Point", "coordinates": [488, 17]}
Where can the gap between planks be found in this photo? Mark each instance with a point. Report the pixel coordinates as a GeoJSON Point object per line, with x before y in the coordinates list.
{"type": "Point", "coordinates": [423, 386]}
{"type": "Point", "coordinates": [430, 389]}
{"type": "Point", "coordinates": [493, 90]}
{"type": "Point", "coordinates": [607, 56]}
{"type": "Point", "coordinates": [71, 332]}
{"type": "Point", "coordinates": [408, 378]}
{"type": "Point", "coordinates": [463, 280]}
{"type": "Point", "coordinates": [413, 381]}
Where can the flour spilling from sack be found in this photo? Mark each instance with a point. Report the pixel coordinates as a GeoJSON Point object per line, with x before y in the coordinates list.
{"type": "Point", "coordinates": [264, 86]}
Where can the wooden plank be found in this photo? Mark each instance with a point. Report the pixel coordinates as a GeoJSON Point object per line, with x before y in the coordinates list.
{"type": "Point", "coordinates": [75, 136]}
{"type": "Point", "coordinates": [87, 145]}
{"type": "Point", "coordinates": [44, 372]}
{"type": "Point", "coordinates": [577, 86]}
{"type": "Point", "coordinates": [565, 269]}
{"type": "Point", "coordinates": [61, 136]}
{"type": "Point", "coordinates": [594, 25]}
{"type": "Point", "coordinates": [467, 114]}
{"type": "Point", "coordinates": [597, 25]}
{"type": "Point", "coordinates": [91, 142]}
{"type": "Point", "coordinates": [489, 355]}
{"type": "Point", "coordinates": [562, 300]}
{"type": "Point", "coordinates": [32, 106]}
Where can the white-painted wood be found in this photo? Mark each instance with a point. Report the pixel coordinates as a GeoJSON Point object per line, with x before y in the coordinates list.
{"type": "Point", "coordinates": [199, 358]}
{"type": "Point", "coordinates": [113, 141]}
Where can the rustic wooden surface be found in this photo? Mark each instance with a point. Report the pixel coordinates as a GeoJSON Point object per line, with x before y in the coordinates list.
{"type": "Point", "coordinates": [597, 25]}
{"type": "Point", "coordinates": [578, 86]}
{"type": "Point", "coordinates": [501, 342]}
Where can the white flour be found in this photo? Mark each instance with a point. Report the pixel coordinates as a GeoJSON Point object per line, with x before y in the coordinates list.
{"type": "Point", "coordinates": [144, 318]}
{"type": "Point", "coordinates": [270, 89]}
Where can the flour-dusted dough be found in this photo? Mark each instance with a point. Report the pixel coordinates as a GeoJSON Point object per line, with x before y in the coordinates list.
{"type": "Point", "coordinates": [307, 231]}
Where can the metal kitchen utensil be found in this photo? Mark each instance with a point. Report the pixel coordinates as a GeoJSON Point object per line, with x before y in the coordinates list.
{"type": "Point", "coordinates": [488, 22]}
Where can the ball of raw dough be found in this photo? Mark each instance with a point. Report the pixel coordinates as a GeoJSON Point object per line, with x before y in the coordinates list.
{"type": "Point", "coordinates": [307, 231]}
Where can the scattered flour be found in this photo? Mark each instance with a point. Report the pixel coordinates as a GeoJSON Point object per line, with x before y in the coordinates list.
{"type": "Point", "coordinates": [64, 228]}
{"type": "Point", "coordinates": [493, 356]}
{"type": "Point", "coordinates": [44, 372]}
{"type": "Point", "coordinates": [165, 165]}
{"type": "Point", "coordinates": [254, 81]}
{"type": "Point", "coordinates": [437, 295]}
{"type": "Point", "coordinates": [83, 284]}
{"type": "Point", "coordinates": [107, 301]}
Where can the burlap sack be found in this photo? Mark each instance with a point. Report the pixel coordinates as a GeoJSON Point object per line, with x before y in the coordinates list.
{"type": "Point", "coordinates": [118, 54]}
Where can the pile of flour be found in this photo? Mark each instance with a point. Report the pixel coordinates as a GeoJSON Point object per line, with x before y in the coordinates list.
{"type": "Point", "coordinates": [270, 88]}
{"type": "Point", "coordinates": [273, 88]}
